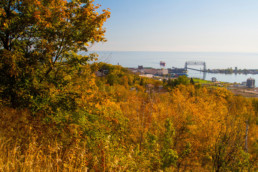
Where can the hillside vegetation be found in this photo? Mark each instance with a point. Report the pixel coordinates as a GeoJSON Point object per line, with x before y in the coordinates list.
{"type": "Point", "coordinates": [57, 115]}
{"type": "Point", "coordinates": [101, 123]}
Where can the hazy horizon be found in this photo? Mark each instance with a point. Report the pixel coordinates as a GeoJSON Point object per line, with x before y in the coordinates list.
{"type": "Point", "coordinates": [181, 26]}
{"type": "Point", "coordinates": [96, 50]}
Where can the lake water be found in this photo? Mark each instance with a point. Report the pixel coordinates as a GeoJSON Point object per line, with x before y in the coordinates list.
{"type": "Point", "coordinates": [177, 59]}
{"type": "Point", "coordinates": [238, 78]}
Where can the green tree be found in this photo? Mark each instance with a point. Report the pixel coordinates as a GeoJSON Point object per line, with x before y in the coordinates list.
{"type": "Point", "coordinates": [180, 80]}
{"type": "Point", "coordinates": [169, 156]}
{"type": "Point", "coordinates": [192, 81]}
{"type": "Point", "coordinates": [39, 41]}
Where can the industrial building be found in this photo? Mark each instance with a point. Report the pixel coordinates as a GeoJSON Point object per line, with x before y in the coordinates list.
{"type": "Point", "coordinates": [250, 83]}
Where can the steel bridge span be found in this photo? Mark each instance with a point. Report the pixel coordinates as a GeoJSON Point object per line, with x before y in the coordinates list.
{"type": "Point", "coordinates": [196, 63]}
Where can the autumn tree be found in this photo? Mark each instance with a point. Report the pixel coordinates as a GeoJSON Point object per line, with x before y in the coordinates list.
{"type": "Point", "coordinates": [39, 42]}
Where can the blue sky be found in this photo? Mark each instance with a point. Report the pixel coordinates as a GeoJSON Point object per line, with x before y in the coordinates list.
{"type": "Point", "coordinates": [181, 25]}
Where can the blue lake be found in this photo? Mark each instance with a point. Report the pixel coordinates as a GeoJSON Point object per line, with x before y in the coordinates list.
{"type": "Point", "coordinates": [238, 78]}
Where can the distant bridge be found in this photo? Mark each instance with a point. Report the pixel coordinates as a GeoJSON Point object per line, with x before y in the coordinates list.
{"type": "Point", "coordinates": [200, 63]}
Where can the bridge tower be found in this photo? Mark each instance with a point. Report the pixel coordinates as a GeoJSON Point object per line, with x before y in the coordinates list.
{"type": "Point", "coordinates": [185, 65]}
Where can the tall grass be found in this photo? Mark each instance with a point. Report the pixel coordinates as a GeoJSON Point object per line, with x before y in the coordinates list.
{"type": "Point", "coordinates": [28, 145]}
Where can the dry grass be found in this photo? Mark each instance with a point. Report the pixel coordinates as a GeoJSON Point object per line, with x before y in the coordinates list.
{"type": "Point", "coordinates": [34, 158]}
{"type": "Point", "coordinates": [27, 145]}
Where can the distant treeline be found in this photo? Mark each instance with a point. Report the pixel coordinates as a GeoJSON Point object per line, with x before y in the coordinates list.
{"type": "Point", "coordinates": [231, 71]}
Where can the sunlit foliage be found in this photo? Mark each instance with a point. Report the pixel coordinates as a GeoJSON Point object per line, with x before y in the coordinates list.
{"type": "Point", "coordinates": [60, 113]}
